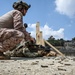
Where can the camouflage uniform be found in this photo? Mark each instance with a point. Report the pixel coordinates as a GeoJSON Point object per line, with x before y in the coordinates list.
{"type": "Point", "coordinates": [12, 30]}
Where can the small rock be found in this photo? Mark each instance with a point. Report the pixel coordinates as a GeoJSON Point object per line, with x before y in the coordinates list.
{"type": "Point", "coordinates": [34, 63]}
{"type": "Point", "coordinates": [28, 69]}
{"type": "Point", "coordinates": [44, 66]}
{"type": "Point", "coordinates": [67, 64]}
{"type": "Point", "coordinates": [73, 59]}
{"type": "Point", "coordinates": [61, 68]}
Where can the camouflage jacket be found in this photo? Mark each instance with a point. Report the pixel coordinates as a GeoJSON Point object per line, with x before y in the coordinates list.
{"type": "Point", "coordinates": [14, 20]}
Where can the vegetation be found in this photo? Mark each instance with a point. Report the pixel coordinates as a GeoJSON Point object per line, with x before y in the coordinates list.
{"type": "Point", "coordinates": [58, 42]}
{"type": "Point", "coordinates": [73, 39]}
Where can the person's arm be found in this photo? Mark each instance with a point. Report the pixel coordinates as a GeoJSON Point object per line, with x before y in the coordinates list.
{"type": "Point", "coordinates": [18, 25]}
{"type": "Point", "coordinates": [18, 21]}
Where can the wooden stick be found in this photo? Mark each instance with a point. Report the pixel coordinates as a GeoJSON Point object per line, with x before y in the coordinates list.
{"type": "Point", "coordinates": [54, 48]}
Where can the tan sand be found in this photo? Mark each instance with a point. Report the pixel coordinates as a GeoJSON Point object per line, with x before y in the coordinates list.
{"type": "Point", "coordinates": [38, 66]}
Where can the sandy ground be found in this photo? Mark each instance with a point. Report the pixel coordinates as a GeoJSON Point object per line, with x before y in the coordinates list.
{"type": "Point", "coordinates": [38, 66]}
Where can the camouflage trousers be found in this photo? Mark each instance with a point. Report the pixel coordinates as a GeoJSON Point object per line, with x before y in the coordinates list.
{"type": "Point", "coordinates": [9, 38]}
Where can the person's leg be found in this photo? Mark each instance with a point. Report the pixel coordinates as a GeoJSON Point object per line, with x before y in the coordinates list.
{"type": "Point", "coordinates": [9, 38]}
{"type": "Point", "coordinates": [15, 39]}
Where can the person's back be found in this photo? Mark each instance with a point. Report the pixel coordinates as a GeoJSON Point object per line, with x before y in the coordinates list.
{"type": "Point", "coordinates": [7, 21]}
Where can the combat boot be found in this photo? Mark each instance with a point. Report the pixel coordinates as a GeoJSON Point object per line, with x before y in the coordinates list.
{"type": "Point", "coordinates": [3, 57]}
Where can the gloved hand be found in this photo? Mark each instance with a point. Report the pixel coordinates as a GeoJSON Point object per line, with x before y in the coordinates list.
{"type": "Point", "coordinates": [25, 25]}
{"type": "Point", "coordinates": [32, 40]}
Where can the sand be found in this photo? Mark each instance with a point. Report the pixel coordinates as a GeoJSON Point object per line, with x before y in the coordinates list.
{"type": "Point", "coordinates": [38, 66]}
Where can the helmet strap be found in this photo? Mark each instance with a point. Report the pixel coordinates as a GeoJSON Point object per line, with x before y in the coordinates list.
{"type": "Point", "coordinates": [22, 11]}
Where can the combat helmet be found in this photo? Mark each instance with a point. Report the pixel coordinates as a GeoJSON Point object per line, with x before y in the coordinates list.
{"type": "Point", "coordinates": [21, 5]}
